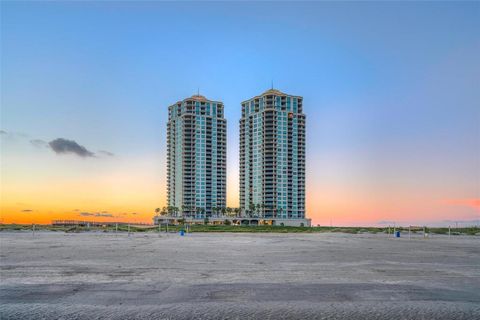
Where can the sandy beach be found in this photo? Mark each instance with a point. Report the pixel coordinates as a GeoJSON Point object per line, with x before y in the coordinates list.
{"type": "Point", "coordinates": [237, 276]}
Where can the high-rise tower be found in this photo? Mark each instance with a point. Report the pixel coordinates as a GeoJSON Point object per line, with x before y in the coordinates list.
{"type": "Point", "coordinates": [272, 156]}
{"type": "Point", "coordinates": [196, 156]}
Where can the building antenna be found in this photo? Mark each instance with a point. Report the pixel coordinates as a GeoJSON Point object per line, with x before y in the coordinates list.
{"type": "Point", "coordinates": [198, 91]}
{"type": "Point", "coordinates": [272, 84]}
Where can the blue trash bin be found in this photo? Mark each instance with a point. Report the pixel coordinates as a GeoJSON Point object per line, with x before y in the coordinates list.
{"type": "Point", "coordinates": [397, 234]}
{"type": "Point", "coordinates": [182, 233]}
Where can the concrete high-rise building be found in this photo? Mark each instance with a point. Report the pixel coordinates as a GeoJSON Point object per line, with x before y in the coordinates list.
{"type": "Point", "coordinates": [272, 158]}
{"type": "Point", "coordinates": [196, 156]}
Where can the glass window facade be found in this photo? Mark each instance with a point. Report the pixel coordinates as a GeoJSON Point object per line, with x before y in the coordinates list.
{"type": "Point", "coordinates": [272, 156]}
{"type": "Point", "coordinates": [196, 156]}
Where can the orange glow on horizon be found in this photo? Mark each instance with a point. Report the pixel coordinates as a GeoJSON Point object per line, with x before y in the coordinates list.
{"type": "Point", "coordinates": [130, 192]}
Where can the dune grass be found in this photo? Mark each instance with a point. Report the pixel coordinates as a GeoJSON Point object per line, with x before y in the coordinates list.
{"type": "Point", "coordinates": [238, 229]}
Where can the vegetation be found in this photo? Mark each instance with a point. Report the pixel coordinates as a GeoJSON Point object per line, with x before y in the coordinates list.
{"type": "Point", "coordinates": [28, 227]}
{"type": "Point", "coordinates": [253, 211]}
{"type": "Point", "coordinates": [232, 228]}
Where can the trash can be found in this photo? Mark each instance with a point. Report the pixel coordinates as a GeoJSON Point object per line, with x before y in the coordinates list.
{"type": "Point", "coordinates": [182, 233]}
{"type": "Point", "coordinates": [397, 234]}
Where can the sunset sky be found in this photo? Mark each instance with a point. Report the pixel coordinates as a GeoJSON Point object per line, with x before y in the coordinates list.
{"type": "Point", "coordinates": [391, 93]}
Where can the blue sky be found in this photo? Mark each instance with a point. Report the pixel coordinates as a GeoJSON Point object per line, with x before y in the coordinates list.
{"type": "Point", "coordinates": [391, 91]}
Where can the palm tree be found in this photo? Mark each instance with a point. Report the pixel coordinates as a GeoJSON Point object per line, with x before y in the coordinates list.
{"type": "Point", "coordinates": [252, 209]}
{"type": "Point", "coordinates": [186, 210]}
{"type": "Point", "coordinates": [257, 209]}
{"type": "Point", "coordinates": [268, 208]}
{"type": "Point", "coordinates": [199, 211]}
{"type": "Point", "coordinates": [157, 211]}
{"type": "Point", "coordinates": [183, 209]}
{"type": "Point", "coordinates": [237, 211]}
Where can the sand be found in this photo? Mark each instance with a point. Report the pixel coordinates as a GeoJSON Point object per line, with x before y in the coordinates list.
{"type": "Point", "coordinates": [237, 276]}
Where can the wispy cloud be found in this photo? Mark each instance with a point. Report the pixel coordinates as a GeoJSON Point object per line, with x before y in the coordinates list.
{"type": "Point", "coordinates": [471, 203]}
{"type": "Point", "coordinates": [64, 146]}
{"type": "Point", "coordinates": [125, 214]}
{"type": "Point", "coordinates": [27, 210]}
{"type": "Point", "coordinates": [59, 145]}
{"type": "Point", "coordinates": [104, 215]}
{"type": "Point", "coordinates": [12, 134]}
{"type": "Point", "coordinates": [385, 222]}
{"type": "Point", "coordinates": [39, 143]}
{"type": "Point", "coordinates": [96, 214]}
{"type": "Point", "coordinates": [463, 222]}
{"type": "Point", "coordinates": [106, 153]}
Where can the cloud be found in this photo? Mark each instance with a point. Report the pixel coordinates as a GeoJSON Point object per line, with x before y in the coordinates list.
{"type": "Point", "coordinates": [464, 222]}
{"type": "Point", "coordinates": [386, 222]}
{"type": "Point", "coordinates": [61, 146]}
{"type": "Point", "coordinates": [13, 134]}
{"type": "Point", "coordinates": [106, 153]}
{"type": "Point", "coordinates": [39, 143]}
{"type": "Point", "coordinates": [123, 214]}
{"type": "Point", "coordinates": [471, 203]}
{"type": "Point", "coordinates": [27, 210]}
{"type": "Point", "coordinates": [104, 215]}
{"type": "Point", "coordinates": [96, 214]}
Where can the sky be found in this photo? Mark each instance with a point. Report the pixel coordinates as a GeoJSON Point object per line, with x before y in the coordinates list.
{"type": "Point", "coordinates": [391, 94]}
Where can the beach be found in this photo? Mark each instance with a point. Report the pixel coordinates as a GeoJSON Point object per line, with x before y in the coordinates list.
{"type": "Point", "coordinates": [99, 275]}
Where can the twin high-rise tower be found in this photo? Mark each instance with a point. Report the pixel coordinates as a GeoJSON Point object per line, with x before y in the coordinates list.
{"type": "Point", "coordinates": [272, 155]}
{"type": "Point", "coordinates": [272, 158]}
{"type": "Point", "coordinates": [196, 156]}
